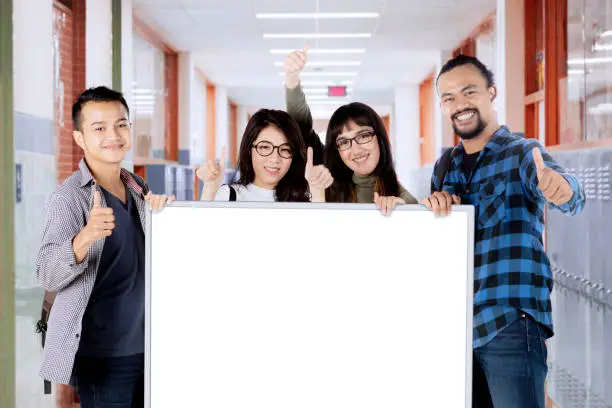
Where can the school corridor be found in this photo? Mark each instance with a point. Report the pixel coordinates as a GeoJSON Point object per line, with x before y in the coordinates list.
{"type": "Point", "coordinates": [194, 72]}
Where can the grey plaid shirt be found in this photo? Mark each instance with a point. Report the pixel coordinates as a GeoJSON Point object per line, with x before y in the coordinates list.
{"type": "Point", "coordinates": [67, 213]}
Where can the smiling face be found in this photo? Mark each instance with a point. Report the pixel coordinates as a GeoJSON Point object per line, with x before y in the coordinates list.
{"type": "Point", "coordinates": [104, 133]}
{"type": "Point", "coordinates": [270, 157]}
{"type": "Point", "coordinates": [358, 147]}
{"type": "Point", "coordinates": [467, 101]}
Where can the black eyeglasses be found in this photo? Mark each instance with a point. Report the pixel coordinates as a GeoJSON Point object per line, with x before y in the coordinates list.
{"type": "Point", "coordinates": [344, 143]}
{"type": "Point", "coordinates": [265, 149]}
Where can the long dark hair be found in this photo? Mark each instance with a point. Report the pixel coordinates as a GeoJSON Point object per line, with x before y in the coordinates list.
{"type": "Point", "coordinates": [293, 186]}
{"type": "Point", "coordinates": [343, 189]}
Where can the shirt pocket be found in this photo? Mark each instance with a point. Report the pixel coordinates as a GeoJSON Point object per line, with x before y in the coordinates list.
{"type": "Point", "coordinates": [492, 202]}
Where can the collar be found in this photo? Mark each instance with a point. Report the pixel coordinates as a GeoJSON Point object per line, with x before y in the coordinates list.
{"type": "Point", "coordinates": [364, 181]}
{"type": "Point", "coordinates": [495, 143]}
{"type": "Point", "coordinates": [126, 178]}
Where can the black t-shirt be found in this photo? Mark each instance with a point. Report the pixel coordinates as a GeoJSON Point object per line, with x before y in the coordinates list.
{"type": "Point", "coordinates": [113, 323]}
{"type": "Point", "coordinates": [469, 162]}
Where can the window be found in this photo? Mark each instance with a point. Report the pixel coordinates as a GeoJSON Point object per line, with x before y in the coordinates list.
{"type": "Point", "coordinates": [586, 91]}
{"type": "Point", "coordinates": [149, 110]}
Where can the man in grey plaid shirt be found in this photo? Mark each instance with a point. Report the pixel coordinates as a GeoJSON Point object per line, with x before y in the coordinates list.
{"type": "Point", "coordinates": [92, 255]}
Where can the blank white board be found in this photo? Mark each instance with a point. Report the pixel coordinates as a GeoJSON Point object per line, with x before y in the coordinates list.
{"type": "Point", "coordinates": [308, 305]}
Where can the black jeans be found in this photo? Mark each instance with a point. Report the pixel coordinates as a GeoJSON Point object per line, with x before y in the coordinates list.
{"type": "Point", "coordinates": [110, 382]}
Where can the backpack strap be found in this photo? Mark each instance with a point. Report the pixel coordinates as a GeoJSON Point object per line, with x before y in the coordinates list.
{"type": "Point", "coordinates": [41, 327]}
{"type": "Point", "coordinates": [232, 196]}
{"type": "Point", "coordinates": [441, 169]}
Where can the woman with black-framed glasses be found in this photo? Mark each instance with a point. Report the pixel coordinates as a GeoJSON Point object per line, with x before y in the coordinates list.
{"type": "Point", "coordinates": [271, 163]}
{"type": "Point", "coordinates": [358, 154]}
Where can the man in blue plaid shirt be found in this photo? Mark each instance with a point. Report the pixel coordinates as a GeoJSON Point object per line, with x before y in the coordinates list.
{"type": "Point", "coordinates": [508, 179]}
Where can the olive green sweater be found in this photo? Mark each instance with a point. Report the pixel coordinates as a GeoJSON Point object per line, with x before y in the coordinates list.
{"type": "Point", "coordinates": [365, 190]}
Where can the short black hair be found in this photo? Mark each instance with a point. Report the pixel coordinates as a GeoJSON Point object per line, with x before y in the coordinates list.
{"type": "Point", "coordinates": [461, 60]}
{"type": "Point", "coordinates": [97, 94]}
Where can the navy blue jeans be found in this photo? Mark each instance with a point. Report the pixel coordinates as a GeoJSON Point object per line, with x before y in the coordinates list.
{"type": "Point", "coordinates": [510, 370]}
{"type": "Point", "coordinates": [110, 382]}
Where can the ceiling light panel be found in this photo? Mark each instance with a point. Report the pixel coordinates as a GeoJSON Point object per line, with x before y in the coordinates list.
{"type": "Point", "coordinates": [307, 36]}
{"type": "Point", "coordinates": [323, 51]}
{"type": "Point", "coordinates": [325, 63]}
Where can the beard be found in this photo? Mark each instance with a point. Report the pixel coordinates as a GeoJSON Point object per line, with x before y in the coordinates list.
{"type": "Point", "coordinates": [469, 133]}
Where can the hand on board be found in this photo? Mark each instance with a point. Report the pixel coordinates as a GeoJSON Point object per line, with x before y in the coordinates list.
{"type": "Point", "coordinates": [387, 204]}
{"type": "Point", "coordinates": [158, 201]}
{"type": "Point", "coordinates": [440, 202]}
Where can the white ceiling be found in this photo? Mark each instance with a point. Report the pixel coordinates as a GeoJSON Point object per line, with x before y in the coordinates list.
{"type": "Point", "coordinates": [228, 43]}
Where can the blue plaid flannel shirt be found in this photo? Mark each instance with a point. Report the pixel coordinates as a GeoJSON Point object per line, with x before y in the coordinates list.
{"type": "Point", "coordinates": [512, 273]}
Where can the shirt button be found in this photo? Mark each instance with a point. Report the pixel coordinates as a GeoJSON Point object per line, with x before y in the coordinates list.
{"type": "Point", "coordinates": [77, 335]}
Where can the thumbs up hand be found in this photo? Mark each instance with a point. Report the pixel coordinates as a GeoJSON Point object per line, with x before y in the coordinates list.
{"type": "Point", "coordinates": [294, 64]}
{"type": "Point", "coordinates": [212, 172]}
{"type": "Point", "coordinates": [100, 225]}
{"type": "Point", "coordinates": [554, 187]}
{"type": "Point", "coordinates": [101, 220]}
{"type": "Point", "coordinates": [318, 178]}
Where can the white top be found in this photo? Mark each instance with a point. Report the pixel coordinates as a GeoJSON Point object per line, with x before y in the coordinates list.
{"type": "Point", "coordinates": [249, 193]}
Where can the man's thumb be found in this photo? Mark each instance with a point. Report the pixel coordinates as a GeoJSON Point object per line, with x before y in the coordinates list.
{"type": "Point", "coordinates": [538, 160]}
{"type": "Point", "coordinates": [97, 200]}
{"type": "Point", "coordinates": [306, 48]}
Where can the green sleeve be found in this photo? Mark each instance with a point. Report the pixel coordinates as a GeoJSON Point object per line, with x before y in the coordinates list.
{"type": "Point", "coordinates": [298, 108]}
{"type": "Point", "coordinates": [406, 196]}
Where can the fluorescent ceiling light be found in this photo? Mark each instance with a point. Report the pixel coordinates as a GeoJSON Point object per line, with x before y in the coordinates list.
{"type": "Point", "coordinates": [326, 64]}
{"type": "Point", "coordinates": [602, 47]}
{"type": "Point", "coordinates": [142, 91]}
{"type": "Point", "coordinates": [575, 71]}
{"type": "Point", "coordinates": [304, 74]}
{"type": "Point", "coordinates": [314, 15]}
{"type": "Point", "coordinates": [580, 61]}
{"type": "Point", "coordinates": [319, 35]}
{"type": "Point", "coordinates": [322, 51]}
{"type": "Point", "coordinates": [324, 83]}
{"type": "Point", "coordinates": [607, 33]}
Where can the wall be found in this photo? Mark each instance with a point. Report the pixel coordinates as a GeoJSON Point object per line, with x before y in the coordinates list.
{"type": "Point", "coordinates": [99, 45]}
{"type": "Point", "coordinates": [34, 156]}
{"type": "Point", "coordinates": [510, 63]}
{"type": "Point", "coordinates": [64, 50]}
{"type": "Point", "coordinates": [198, 118]}
{"type": "Point", "coordinates": [127, 65]}
{"type": "Point", "coordinates": [221, 120]}
{"type": "Point", "coordinates": [186, 88]}
{"type": "Point", "coordinates": [406, 129]}
{"type": "Point", "coordinates": [445, 136]}
{"type": "Point", "coordinates": [243, 119]}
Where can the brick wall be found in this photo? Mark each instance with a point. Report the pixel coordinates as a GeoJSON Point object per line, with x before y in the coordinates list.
{"type": "Point", "coordinates": [69, 49]}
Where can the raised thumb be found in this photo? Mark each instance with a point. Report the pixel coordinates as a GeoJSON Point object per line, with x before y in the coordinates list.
{"type": "Point", "coordinates": [97, 200]}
